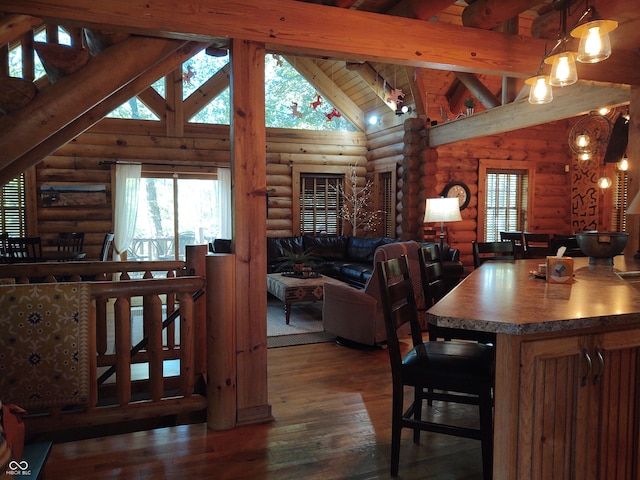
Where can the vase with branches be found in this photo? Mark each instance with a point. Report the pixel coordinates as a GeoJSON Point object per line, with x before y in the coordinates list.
{"type": "Point", "coordinates": [356, 200]}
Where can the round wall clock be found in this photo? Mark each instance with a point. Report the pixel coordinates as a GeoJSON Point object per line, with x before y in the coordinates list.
{"type": "Point", "coordinates": [458, 190]}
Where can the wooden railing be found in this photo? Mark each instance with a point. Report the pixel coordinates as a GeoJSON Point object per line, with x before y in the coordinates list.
{"type": "Point", "coordinates": [165, 291]}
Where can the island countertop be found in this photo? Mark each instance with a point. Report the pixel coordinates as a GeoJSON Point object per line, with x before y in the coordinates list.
{"type": "Point", "coordinates": [505, 298]}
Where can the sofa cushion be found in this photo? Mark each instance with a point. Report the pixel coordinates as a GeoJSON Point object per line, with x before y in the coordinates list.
{"type": "Point", "coordinates": [278, 247]}
{"type": "Point", "coordinates": [361, 249]}
{"type": "Point", "coordinates": [327, 247]}
{"type": "Point", "coordinates": [356, 273]}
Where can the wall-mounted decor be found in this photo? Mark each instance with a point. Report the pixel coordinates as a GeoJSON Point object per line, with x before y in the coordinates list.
{"type": "Point", "coordinates": [71, 195]}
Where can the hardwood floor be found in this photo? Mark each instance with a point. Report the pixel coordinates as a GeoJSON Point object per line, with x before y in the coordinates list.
{"type": "Point", "coordinates": [331, 408]}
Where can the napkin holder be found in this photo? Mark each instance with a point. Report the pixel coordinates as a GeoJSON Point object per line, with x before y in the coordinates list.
{"type": "Point", "coordinates": [559, 269]}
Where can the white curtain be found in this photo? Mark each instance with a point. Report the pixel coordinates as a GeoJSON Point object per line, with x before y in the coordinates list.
{"type": "Point", "coordinates": [224, 200]}
{"type": "Point", "coordinates": [126, 207]}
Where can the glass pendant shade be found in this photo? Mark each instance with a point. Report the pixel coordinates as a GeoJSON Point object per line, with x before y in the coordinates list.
{"type": "Point", "coordinates": [582, 143]}
{"type": "Point", "coordinates": [540, 92]}
{"type": "Point", "coordinates": [604, 182]}
{"type": "Point", "coordinates": [595, 44]}
{"type": "Point", "coordinates": [563, 70]}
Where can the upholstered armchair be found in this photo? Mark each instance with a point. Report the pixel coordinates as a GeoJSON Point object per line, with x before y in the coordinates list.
{"type": "Point", "coordinates": [356, 315]}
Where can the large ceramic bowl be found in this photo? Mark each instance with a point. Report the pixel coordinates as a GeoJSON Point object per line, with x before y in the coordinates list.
{"type": "Point", "coordinates": [602, 245]}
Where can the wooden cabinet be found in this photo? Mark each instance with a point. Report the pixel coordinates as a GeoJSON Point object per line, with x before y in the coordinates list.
{"type": "Point", "coordinates": [579, 407]}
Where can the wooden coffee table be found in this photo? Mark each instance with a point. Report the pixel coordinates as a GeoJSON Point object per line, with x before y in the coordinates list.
{"type": "Point", "coordinates": [296, 290]}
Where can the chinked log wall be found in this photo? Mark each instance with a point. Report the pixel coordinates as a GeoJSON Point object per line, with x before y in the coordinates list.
{"type": "Point", "coordinates": [82, 162]}
{"type": "Point", "coordinates": [544, 146]}
{"type": "Point", "coordinates": [421, 172]}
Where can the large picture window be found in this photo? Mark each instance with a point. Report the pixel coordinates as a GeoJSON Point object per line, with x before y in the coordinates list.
{"type": "Point", "coordinates": [174, 210]}
{"type": "Point", "coordinates": [320, 204]}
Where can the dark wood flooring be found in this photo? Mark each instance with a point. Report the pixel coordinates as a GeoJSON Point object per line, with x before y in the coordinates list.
{"type": "Point", "coordinates": [331, 408]}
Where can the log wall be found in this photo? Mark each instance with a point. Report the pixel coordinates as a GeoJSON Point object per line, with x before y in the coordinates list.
{"type": "Point", "coordinates": [544, 146]}
{"type": "Point", "coordinates": [88, 160]}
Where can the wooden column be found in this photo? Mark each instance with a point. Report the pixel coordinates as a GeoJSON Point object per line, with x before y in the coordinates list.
{"type": "Point", "coordinates": [633, 152]}
{"type": "Point", "coordinates": [249, 184]}
{"type": "Point", "coordinates": [221, 342]}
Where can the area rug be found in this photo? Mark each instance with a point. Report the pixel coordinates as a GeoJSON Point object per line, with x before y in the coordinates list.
{"type": "Point", "coordinates": [305, 324]}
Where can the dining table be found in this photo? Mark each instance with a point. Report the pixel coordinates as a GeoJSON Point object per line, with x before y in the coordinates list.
{"type": "Point", "coordinates": [567, 370]}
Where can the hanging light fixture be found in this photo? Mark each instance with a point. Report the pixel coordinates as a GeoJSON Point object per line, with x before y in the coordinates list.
{"type": "Point", "coordinates": [595, 44]}
{"type": "Point", "coordinates": [563, 63]}
{"type": "Point", "coordinates": [541, 91]}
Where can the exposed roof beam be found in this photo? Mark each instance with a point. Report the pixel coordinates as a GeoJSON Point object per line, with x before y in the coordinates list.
{"type": "Point", "coordinates": [13, 26]}
{"type": "Point", "coordinates": [421, 9]}
{"type": "Point", "coordinates": [478, 90]}
{"type": "Point", "coordinates": [293, 27]}
{"type": "Point", "coordinates": [325, 86]}
{"type": "Point", "coordinates": [568, 102]}
{"type": "Point", "coordinates": [71, 97]}
{"type": "Point", "coordinates": [490, 13]}
{"type": "Point", "coordinates": [375, 81]}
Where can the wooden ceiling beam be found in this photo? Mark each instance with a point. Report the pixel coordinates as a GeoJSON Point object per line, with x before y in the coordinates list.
{"type": "Point", "coordinates": [420, 9]}
{"type": "Point", "coordinates": [12, 27]}
{"type": "Point", "coordinates": [572, 101]}
{"type": "Point", "coordinates": [328, 89]}
{"type": "Point", "coordinates": [71, 97]}
{"type": "Point", "coordinates": [375, 82]}
{"type": "Point", "coordinates": [97, 113]}
{"type": "Point", "coordinates": [491, 13]}
{"type": "Point", "coordinates": [478, 90]}
{"type": "Point", "coordinates": [292, 27]}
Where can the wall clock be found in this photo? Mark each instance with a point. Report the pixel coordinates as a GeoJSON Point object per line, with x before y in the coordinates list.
{"type": "Point", "coordinates": [460, 191]}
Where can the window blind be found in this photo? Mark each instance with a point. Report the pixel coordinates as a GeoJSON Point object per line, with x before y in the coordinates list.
{"type": "Point", "coordinates": [506, 202]}
{"type": "Point", "coordinates": [13, 211]}
{"type": "Point", "coordinates": [620, 202]}
{"type": "Point", "coordinates": [388, 205]}
{"type": "Point", "coordinates": [320, 203]}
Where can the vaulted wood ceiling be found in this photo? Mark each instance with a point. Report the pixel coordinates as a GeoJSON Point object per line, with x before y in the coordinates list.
{"type": "Point", "coordinates": [364, 47]}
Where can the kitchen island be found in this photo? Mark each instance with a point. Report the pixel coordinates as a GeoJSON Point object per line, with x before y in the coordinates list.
{"type": "Point", "coordinates": [567, 366]}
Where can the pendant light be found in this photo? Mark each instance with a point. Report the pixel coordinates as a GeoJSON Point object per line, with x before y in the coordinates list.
{"type": "Point", "coordinates": [563, 70]}
{"type": "Point", "coordinates": [541, 91]}
{"type": "Point", "coordinates": [595, 44]}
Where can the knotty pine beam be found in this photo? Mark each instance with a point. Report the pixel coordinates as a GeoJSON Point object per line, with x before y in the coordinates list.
{"type": "Point", "coordinates": [490, 13]}
{"type": "Point", "coordinates": [568, 102]}
{"type": "Point", "coordinates": [13, 26]}
{"type": "Point", "coordinates": [374, 80]}
{"type": "Point", "coordinates": [249, 180]}
{"type": "Point", "coordinates": [293, 27]}
{"type": "Point", "coordinates": [325, 86]}
{"type": "Point", "coordinates": [420, 9]}
{"type": "Point", "coordinates": [64, 115]}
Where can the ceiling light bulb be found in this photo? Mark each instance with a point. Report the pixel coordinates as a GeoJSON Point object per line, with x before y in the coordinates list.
{"type": "Point", "coordinates": [582, 141]}
{"type": "Point", "coordinates": [595, 44]}
{"type": "Point", "coordinates": [563, 71]}
{"type": "Point", "coordinates": [604, 182]}
{"type": "Point", "coordinates": [623, 165]}
{"type": "Point", "coordinates": [540, 92]}
{"type": "Point", "coordinates": [604, 111]}
{"type": "Point", "coordinates": [373, 120]}
{"type": "Point", "coordinates": [584, 156]}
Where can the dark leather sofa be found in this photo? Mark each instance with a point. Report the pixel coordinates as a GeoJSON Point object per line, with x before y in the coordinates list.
{"type": "Point", "coordinates": [346, 258]}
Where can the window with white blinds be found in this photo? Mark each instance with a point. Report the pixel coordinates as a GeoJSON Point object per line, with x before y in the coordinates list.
{"type": "Point", "coordinates": [13, 211]}
{"type": "Point", "coordinates": [320, 203]}
{"type": "Point", "coordinates": [388, 205]}
{"type": "Point", "coordinates": [620, 202]}
{"type": "Point", "coordinates": [506, 202]}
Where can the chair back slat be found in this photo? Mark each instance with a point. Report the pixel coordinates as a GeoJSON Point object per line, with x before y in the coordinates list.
{"type": "Point", "coordinates": [484, 251]}
{"type": "Point", "coordinates": [71, 242]}
{"type": "Point", "coordinates": [106, 247]}
{"type": "Point", "coordinates": [24, 249]}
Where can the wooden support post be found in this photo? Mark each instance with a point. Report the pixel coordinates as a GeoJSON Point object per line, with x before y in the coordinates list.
{"type": "Point", "coordinates": [221, 342]}
{"type": "Point", "coordinates": [249, 172]}
{"type": "Point", "coordinates": [196, 266]}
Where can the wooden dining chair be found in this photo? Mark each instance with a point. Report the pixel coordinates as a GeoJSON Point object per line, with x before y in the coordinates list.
{"type": "Point", "coordinates": [517, 239]}
{"type": "Point", "coordinates": [434, 286]}
{"type": "Point", "coordinates": [106, 247]}
{"type": "Point", "coordinates": [484, 251]}
{"type": "Point", "coordinates": [24, 249]}
{"type": "Point", "coordinates": [459, 372]}
{"type": "Point", "coordinates": [536, 245]}
{"type": "Point", "coordinates": [71, 242]}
